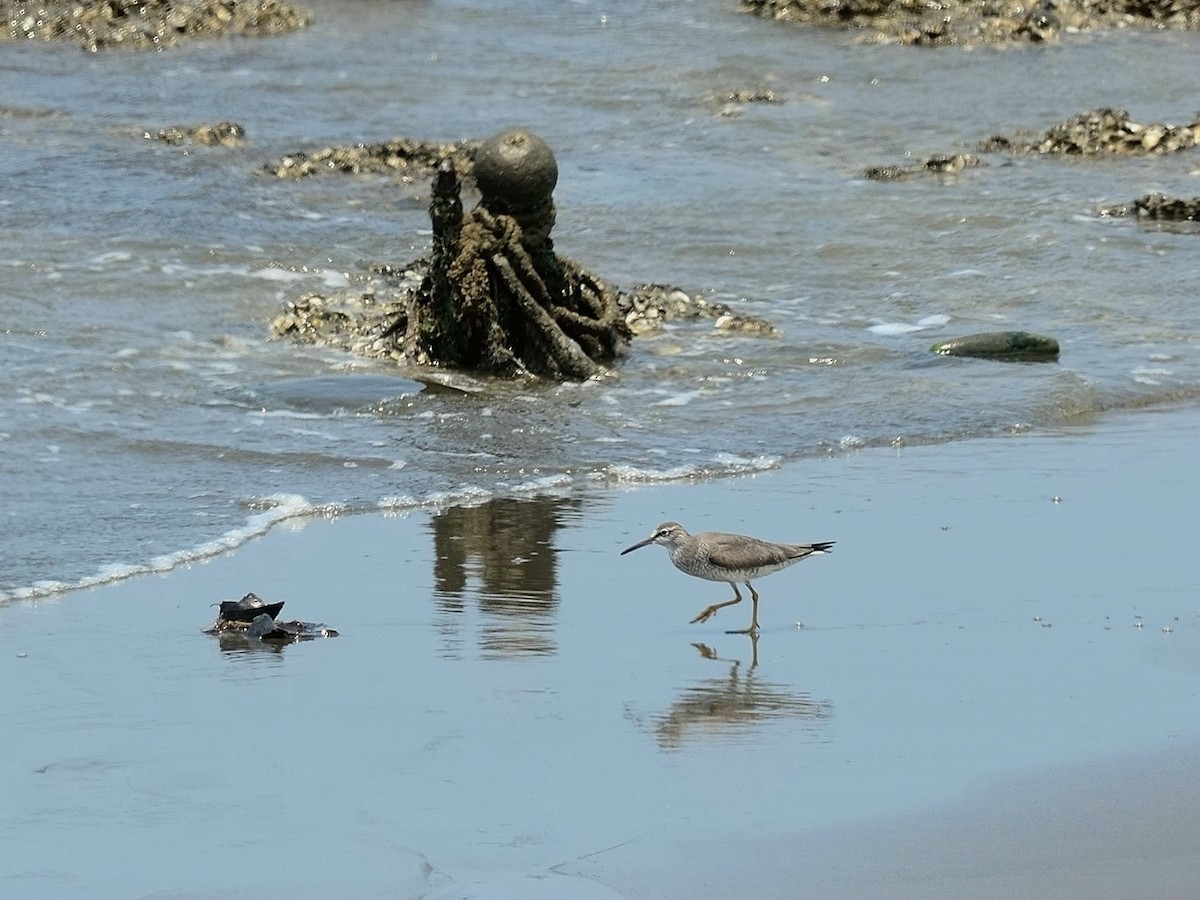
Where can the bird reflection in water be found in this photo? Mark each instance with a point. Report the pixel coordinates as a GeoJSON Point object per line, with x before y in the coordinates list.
{"type": "Point", "coordinates": [734, 706]}
{"type": "Point", "coordinates": [501, 552]}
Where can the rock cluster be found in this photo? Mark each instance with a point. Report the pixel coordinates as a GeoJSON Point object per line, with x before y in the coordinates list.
{"type": "Point", "coordinates": [1104, 130]}
{"type": "Point", "coordinates": [972, 22]}
{"type": "Point", "coordinates": [144, 24]}
{"type": "Point", "coordinates": [1156, 207]}
{"type": "Point", "coordinates": [1099, 131]}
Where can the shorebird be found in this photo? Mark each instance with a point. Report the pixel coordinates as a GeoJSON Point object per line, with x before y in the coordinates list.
{"type": "Point", "coordinates": [717, 556]}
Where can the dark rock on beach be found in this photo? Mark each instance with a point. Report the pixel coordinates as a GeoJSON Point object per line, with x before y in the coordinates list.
{"type": "Point", "coordinates": [1019, 346]}
{"type": "Point", "coordinates": [145, 24]}
{"type": "Point", "coordinates": [974, 22]}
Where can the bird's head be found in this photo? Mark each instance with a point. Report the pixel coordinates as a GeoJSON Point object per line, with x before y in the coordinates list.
{"type": "Point", "coordinates": [669, 534]}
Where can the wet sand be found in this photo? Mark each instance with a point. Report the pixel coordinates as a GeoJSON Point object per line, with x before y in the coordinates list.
{"type": "Point", "coordinates": [993, 695]}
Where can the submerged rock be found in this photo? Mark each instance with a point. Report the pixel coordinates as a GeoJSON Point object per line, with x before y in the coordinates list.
{"type": "Point", "coordinates": [145, 24]}
{"type": "Point", "coordinates": [934, 165]}
{"type": "Point", "coordinates": [1019, 346]}
{"type": "Point", "coordinates": [224, 134]}
{"type": "Point", "coordinates": [731, 102]}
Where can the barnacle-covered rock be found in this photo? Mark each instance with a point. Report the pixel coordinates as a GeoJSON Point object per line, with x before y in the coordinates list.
{"type": "Point", "coordinates": [1101, 131]}
{"type": "Point", "coordinates": [648, 307]}
{"type": "Point", "coordinates": [403, 157]}
{"type": "Point", "coordinates": [1106, 130]}
{"type": "Point", "coordinates": [145, 24]}
{"type": "Point", "coordinates": [974, 22]}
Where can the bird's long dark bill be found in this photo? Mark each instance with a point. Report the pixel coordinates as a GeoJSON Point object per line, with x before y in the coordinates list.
{"type": "Point", "coordinates": [648, 540]}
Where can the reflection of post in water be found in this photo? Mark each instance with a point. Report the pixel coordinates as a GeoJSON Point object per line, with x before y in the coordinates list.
{"type": "Point", "coordinates": [734, 706]}
{"type": "Point", "coordinates": [505, 547]}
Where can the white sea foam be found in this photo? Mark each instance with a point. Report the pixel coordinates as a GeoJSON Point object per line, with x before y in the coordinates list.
{"type": "Point", "coordinates": [723, 464]}
{"type": "Point", "coordinates": [892, 329]}
{"type": "Point", "coordinates": [274, 509]}
{"type": "Point", "coordinates": [898, 328]}
{"type": "Point", "coordinates": [934, 321]}
{"type": "Point", "coordinates": [113, 256]}
{"type": "Point", "coordinates": [678, 399]}
{"type": "Point", "coordinates": [544, 484]}
{"type": "Point", "coordinates": [327, 277]}
{"type": "Point", "coordinates": [1150, 374]}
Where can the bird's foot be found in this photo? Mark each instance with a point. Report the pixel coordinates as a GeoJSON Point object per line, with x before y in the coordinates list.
{"type": "Point", "coordinates": [705, 614]}
{"type": "Point", "coordinates": [742, 631]}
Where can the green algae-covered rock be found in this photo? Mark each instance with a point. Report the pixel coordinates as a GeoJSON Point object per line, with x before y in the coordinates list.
{"type": "Point", "coordinates": [1005, 345]}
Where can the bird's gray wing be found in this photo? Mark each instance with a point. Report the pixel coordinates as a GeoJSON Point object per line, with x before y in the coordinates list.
{"type": "Point", "coordinates": [735, 551]}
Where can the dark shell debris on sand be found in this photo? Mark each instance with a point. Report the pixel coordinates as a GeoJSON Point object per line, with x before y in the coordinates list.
{"type": "Point", "coordinates": [255, 619]}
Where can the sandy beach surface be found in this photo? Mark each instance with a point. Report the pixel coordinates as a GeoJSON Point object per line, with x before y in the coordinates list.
{"type": "Point", "coordinates": [993, 694]}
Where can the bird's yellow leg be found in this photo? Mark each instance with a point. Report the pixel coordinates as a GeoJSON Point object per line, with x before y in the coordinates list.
{"type": "Point", "coordinates": [709, 611]}
{"type": "Point", "coordinates": [753, 629]}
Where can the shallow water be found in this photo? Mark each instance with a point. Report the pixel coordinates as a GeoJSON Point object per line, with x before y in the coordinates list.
{"type": "Point", "coordinates": [146, 420]}
{"type": "Point", "coordinates": [514, 710]}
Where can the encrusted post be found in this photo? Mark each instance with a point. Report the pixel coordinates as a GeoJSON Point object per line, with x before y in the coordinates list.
{"type": "Point", "coordinates": [438, 334]}
{"type": "Point", "coordinates": [498, 298]}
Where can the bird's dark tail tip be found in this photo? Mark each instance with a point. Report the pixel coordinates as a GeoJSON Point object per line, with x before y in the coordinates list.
{"type": "Point", "coordinates": [823, 546]}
